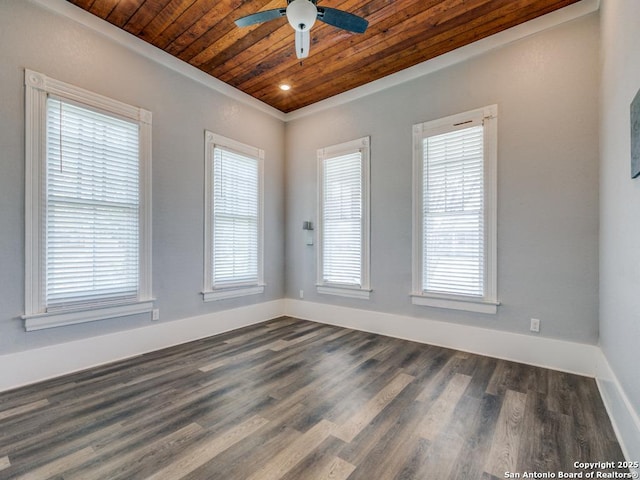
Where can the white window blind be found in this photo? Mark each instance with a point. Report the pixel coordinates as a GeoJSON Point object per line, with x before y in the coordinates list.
{"type": "Point", "coordinates": [235, 222]}
{"type": "Point", "coordinates": [453, 213]}
{"type": "Point", "coordinates": [88, 205]}
{"type": "Point", "coordinates": [342, 219]}
{"type": "Point", "coordinates": [92, 205]}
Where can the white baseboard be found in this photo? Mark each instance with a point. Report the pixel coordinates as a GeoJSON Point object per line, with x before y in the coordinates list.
{"type": "Point", "coordinates": [560, 355]}
{"type": "Point", "coordinates": [624, 418]}
{"type": "Point", "coordinates": [23, 368]}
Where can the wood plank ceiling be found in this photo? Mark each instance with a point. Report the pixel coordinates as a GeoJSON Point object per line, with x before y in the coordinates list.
{"type": "Point", "coordinates": [258, 59]}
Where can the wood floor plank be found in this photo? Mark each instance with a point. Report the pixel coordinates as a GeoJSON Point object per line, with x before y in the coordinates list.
{"type": "Point", "coordinates": [48, 451]}
{"type": "Point", "coordinates": [59, 466]}
{"type": "Point", "coordinates": [281, 322]}
{"type": "Point", "coordinates": [373, 407]}
{"type": "Point", "coordinates": [444, 452]}
{"type": "Point", "coordinates": [498, 379]}
{"type": "Point", "coordinates": [472, 457]}
{"type": "Point", "coordinates": [237, 358]}
{"type": "Point", "coordinates": [282, 344]}
{"type": "Point", "coordinates": [319, 461]}
{"type": "Point", "coordinates": [291, 456]}
{"type": "Point", "coordinates": [440, 459]}
{"type": "Point", "coordinates": [337, 378]}
{"type": "Point", "coordinates": [415, 460]}
{"type": "Point", "coordinates": [127, 465]}
{"type": "Point", "coordinates": [481, 375]}
{"type": "Point", "coordinates": [334, 469]}
{"type": "Point", "coordinates": [545, 441]}
{"type": "Point", "coordinates": [198, 456]}
{"type": "Point", "coordinates": [587, 443]}
{"type": "Point", "coordinates": [394, 441]}
{"type": "Point", "coordinates": [242, 459]}
{"type": "Point", "coordinates": [439, 414]}
{"type": "Point", "coordinates": [560, 384]}
{"type": "Point", "coordinates": [23, 409]}
{"type": "Point", "coordinates": [31, 393]}
{"type": "Point", "coordinates": [250, 335]}
{"type": "Point", "coordinates": [434, 385]}
{"type": "Point", "coordinates": [292, 399]}
{"type": "Point", "coordinates": [503, 456]}
{"type": "Point", "coordinates": [61, 421]}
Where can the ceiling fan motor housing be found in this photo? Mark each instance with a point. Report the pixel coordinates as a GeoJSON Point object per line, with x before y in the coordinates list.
{"type": "Point", "coordinates": [301, 14]}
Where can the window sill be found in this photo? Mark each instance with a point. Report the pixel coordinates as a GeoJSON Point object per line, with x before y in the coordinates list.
{"type": "Point", "coordinates": [455, 303]}
{"type": "Point", "coordinates": [350, 292]}
{"type": "Point", "coordinates": [232, 292]}
{"type": "Point", "coordinates": [41, 321]}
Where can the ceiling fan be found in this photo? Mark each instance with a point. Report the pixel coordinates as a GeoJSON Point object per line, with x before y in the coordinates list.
{"type": "Point", "coordinates": [302, 14]}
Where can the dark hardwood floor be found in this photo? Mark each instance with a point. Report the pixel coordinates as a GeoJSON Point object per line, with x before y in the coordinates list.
{"type": "Point", "coordinates": [291, 399]}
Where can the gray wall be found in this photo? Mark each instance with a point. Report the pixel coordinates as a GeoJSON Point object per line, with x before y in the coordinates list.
{"type": "Point", "coordinates": [620, 197]}
{"type": "Point", "coordinates": [546, 88]}
{"type": "Point", "coordinates": [32, 37]}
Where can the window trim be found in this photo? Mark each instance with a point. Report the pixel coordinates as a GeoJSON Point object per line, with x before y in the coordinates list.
{"type": "Point", "coordinates": [489, 302]}
{"type": "Point", "coordinates": [210, 291]}
{"type": "Point", "coordinates": [351, 291]}
{"type": "Point", "coordinates": [37, 87]}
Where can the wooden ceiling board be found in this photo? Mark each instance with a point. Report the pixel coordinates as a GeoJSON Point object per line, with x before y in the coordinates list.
{"type": "Point", "coordinates": [206, 24]}
{"type": "Point", "coordinates": [344, 55]}
{"type": "Point", "coordinates": [233, 42]}
{"type": "Point", "coordinates": [203, 52]}
{"type": "Point", "coordinates": [84, 4]}
{"type": "Point", "coordinates": [102, 8]}
{"type": "Point", "coordinates": [257, 59]}
{"type": "Point", "coordinates": [352, 70]}
{"type": "Point", "coordinates": [323, 37]}
{"type": "Point", "coordinates": [388, 45]}
{"type": "Point", "coordinates": [282, 66]}
{"type": "Point", "coordinates": [145, 13]}
{"type": "Point", "coordinates": [169, 15]}
{"type": "Point", "coordinates": [122, 12]}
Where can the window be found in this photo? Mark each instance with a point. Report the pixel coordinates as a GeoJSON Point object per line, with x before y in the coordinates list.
{"type": "Point", "coordinates": [233, 219]}
{"type": "Point", "coordinates": [454, 244]}
{"type": "Point", "coordinates": [88, 209]}
{"type": "Point", "coordinates": [343, 227]}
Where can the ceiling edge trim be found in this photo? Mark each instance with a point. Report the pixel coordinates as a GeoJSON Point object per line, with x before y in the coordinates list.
{"type": "Point", "coordinates": [550, 20]}
{"type": "Point", "coordinates": [66, 9]}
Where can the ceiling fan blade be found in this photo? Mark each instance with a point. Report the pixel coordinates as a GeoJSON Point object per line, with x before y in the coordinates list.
{"type": "Point", "coordinates": [341, 19]}
{"type": "Point", "coordinates": [261, 17]}
{"type": "Point", "coordinates": [303, 43]}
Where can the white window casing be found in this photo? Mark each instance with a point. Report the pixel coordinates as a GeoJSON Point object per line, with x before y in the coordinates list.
{"type": "Point", "coordinates": [454, 210]}
{"type": "Point", "coordinates": [344, 219]}
{"type": "Point", "coordinates": [234, 225]}
{"type": "Point", "coordinates": [87, 207]}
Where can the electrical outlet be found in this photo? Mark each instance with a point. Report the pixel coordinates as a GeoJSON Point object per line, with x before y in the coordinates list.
{"type": "Point", "coordinates": [535, 325]}
{"type": "Point", "coordinates": [301, 293]}
{"type": "Point", "coordinates": [156, 314]}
